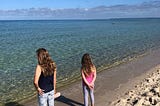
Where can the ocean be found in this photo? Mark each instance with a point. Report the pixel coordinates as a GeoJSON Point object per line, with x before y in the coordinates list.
{"type": "Point", "coordinates": [109, 42]}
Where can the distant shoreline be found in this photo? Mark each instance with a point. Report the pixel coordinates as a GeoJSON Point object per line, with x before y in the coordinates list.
{"type": "Point", "coordinates": [80, 19]}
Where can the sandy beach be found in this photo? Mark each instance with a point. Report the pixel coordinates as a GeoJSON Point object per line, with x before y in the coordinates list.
{"type": "Point", "coordinates": [115, 86]}
{"type": "Point", "coordinates": [145, 93]}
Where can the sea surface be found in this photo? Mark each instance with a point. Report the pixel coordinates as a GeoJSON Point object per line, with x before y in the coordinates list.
{"type": "Point", "coordinates": [109, 42]}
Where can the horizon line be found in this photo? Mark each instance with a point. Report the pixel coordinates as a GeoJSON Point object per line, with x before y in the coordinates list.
{"type": "Point", "coordinates": [78, 19]}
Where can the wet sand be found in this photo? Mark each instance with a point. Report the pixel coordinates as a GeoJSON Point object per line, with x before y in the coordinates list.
{"type": "Point", "coordinates": [110, 84]}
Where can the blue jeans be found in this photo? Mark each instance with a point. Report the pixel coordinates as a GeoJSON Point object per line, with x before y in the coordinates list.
{"type": "Point", "coordinates": [87, 90]}
{"type": "Point", "coordinates": [46, 98]}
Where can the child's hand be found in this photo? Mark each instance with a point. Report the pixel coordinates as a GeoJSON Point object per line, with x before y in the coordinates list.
{"type": "Point", "coordinates": [91, 86]}
{"type": "Point", "coordinates": [92, 83]}
{"type": "Point", "coordinates": [40, 91]}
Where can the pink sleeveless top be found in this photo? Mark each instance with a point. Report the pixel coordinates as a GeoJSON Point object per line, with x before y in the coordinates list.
{"type": "Point", "coordinates": [90, 77]}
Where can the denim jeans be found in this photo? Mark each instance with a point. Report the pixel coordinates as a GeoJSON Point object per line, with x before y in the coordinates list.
{"type": "Point", "coordinates": [46, 99]}
{"type": "Point", "coordinates": [87, 90]}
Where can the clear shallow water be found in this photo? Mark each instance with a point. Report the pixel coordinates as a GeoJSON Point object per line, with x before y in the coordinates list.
{"type": "Point", "coordinates": [107, 41]}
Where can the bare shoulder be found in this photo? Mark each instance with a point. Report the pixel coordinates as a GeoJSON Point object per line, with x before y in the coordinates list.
{"type": "Point", "coordinates": [38, 68]}
{"type": "Point", "coordinates": [94, 68]}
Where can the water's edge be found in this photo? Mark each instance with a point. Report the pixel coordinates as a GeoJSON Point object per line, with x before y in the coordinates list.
{"type": "Point", "coordinates": [76, 78]}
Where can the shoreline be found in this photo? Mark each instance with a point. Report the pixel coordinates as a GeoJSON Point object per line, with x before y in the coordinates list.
{"type": "Point", "coordinates": [120, 41]}
{"type": "Point", "coordinates": [110, 84]}
{"type": "Point", "coordinates": [109, 87]}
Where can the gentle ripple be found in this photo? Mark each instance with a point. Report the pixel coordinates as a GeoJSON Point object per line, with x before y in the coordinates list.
{"type": "Point", "coordinates": [108, 41]}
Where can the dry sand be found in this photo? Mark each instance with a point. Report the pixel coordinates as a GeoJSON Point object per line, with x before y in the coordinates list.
{"type": "Point", "coordinates": [145, 93]}
{"type": "Point", "coordinates": [112, 85]}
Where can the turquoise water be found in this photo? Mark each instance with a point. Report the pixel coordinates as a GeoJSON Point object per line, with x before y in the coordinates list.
{"type": "Point", "coordinates": [107, 41]}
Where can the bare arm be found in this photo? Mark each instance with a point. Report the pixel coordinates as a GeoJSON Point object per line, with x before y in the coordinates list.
{"type": "Point", "coordinates": [36, 79]}
{"type": "Point", "coordinates": [95, 75]}
{"type": "Point", "coordinates": [84, 78]}
{"type": "Point", "coordinates": [55, 80]}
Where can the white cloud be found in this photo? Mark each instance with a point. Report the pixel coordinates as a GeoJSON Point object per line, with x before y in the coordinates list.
{"type": "Point", "coordinates": [146, 9]}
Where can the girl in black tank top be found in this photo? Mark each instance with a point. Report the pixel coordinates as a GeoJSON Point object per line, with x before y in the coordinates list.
{"type": "Point", "coordinates": [45, 78]}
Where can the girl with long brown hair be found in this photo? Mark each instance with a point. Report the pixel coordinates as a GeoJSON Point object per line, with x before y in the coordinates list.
{"type": "Point", "coordinates": [88, 72]}
{"type": "Point", "coordinates": [45, 78]}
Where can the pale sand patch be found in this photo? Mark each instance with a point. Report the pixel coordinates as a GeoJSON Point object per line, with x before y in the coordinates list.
{"type": "Point", "coordinates": [145, 93]}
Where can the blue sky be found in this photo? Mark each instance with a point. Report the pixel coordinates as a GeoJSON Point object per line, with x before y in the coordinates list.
{"type": "Point", "coordinates": [78, 9]}
{"type": "Point", "coordinates": [21, 4]}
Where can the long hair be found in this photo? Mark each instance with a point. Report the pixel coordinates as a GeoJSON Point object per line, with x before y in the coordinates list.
{"type": "Point", "coordinates": [48, 66]}
{"type": "Point", "coordinates": [87, 64]}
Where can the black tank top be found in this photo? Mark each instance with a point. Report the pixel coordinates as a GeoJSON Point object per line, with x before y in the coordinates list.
{"type": "Point", "coordinates": [46, 83]}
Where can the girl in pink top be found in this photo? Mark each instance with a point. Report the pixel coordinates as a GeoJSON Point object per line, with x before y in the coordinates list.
{"type": "Point", "coordinates": [88, 72]}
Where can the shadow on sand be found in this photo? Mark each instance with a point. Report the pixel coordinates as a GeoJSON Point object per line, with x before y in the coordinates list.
{"type": "Point", "coordinates": [68, 101]}
{"type": "Point", "coordinates": [13, 104]}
